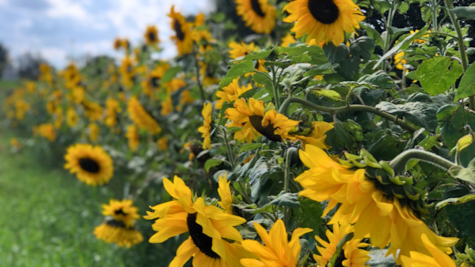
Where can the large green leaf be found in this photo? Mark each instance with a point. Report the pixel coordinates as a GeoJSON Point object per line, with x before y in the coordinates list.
{"type": "Point", "coordinates": [438, 74]}
{"type": "Point", "coordinates": [237, 70]}
{"type": "Point", "coordinates": [379, 78]}
{"type": "Point", "coordinates": [309, 214]}
{"type": "Point", "coordinates": [461, 216]}
{"type": "Point", "coordinates": [465, 12]}
{"type": "Point", "coordinates": [287, 200]}
{"type": "Point", "coordinates": [314, 54]}
{"type": "Point", "coordinates": [170, 74]}
{"type": "Point", "coordinates": [467, 84]}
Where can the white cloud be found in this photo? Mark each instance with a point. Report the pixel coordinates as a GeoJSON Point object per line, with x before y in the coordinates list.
{"type": "Point", "coordinates": [67, 9]}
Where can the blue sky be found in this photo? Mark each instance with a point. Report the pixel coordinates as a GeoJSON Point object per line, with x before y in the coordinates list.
{"type": "Point", "coordinates": [64, 29]}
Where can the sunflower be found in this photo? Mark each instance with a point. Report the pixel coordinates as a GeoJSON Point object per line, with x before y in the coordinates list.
{"type": "Point", "coordinates": [438, 259]}
{"type": "Point", "coordinates": [15, 143]}
{"type": "Point", "coordinates": [167, 106]}
{"type": "Point", "coordinates": [278, 251]}
{"type": "Point", "coordinates": [122, 211]}
{"type": "Point", "coordinates": [205, 130]}
{"type": "Point", "coordinates": [133, 137]}
{"type": "Point", "coordinates": [114, 232]}
{"type": "Point", "coordinates": [77, 94]}
{"type": "Point", "coordinates": [231, 92]}
{"type": "Point", "coordinates": [316, 136]}
{"type": "Point", "coordinates": [207, 227]}
{"type": "Point", "coordinates": [224, 192]}
{"type": "Point", "coordinates": [399, 60]}
{"type": "Point", "coordinates": [287, 40]}
{"type": "Point", "coordinates": [92, 110]}
{"type": "Point", "coordinates": [91, 164]}
{"type": "Point", "coordinates": [71, 117]}
{"type": "Point", "coordinates": [117, 43]}
{"type": "Point", "coordinates": [162, 143]}
{"type": "Point", "coordinates": [186, 98]}
{"type": "Point", "coordinates": [152, 81]}
{"type": "Point", "coordinates": [374, 213]}
{"type": "Point", "coordinates": [240, 50]}
{"type": "Point", "coordinates": [259, 15]}
{"type": "Point", "coordinates": [93, 132]}
{"type": "Point", "coordinates": [127, 72]}
{"type": "Point", "coordinates": [112, 108]}
{"type": "Point", "coordinates": [47, 131]}
{"type": "Point", "coordinates": [273, 125]}
{"type": "Point", "coordinates": [31, 87]}
{"type": "Point", "coordinates": [141, 117]}
{"type": "Point", "coordinates": [351, 254]}
{"type": "Point", "coordinates": [183, 38]}
{"type": "Point", "coordinates": [151, 35]}
{"type": "Point", "coordinates": [324, 20]}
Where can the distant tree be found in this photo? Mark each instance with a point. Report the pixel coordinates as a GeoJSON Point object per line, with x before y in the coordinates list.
{"type": "Point", "coordinates": [3, 58]}
{"type": "Point", "coordinates": [28, 66]}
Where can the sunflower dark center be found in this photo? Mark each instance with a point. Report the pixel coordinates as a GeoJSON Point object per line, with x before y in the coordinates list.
{"type": "Point", "coordinates": [268, 131]}
{"type": "Point", "coordinates": [110, 221]}
{"type": "Point", "coordinates": [340, 259]}
{"type": "Point", "coordinates": [155, 82]}
{"type": "Point", "coordinates": [179, 33]}
{"type": "Point", "coordinates": [202, 241]}
{"type": "Point", "coordinates": [257, 8]}
{"type": "Point", "coordinates": [120, 212]}
{"type": "Point", "coordinates": [152, 36]}
{"type": "Point", "coordinates": [129, 68]}
{"type": "Point", "coordinates": [324, 11]}
{"type": "Point", "coordinates": [89, 165]}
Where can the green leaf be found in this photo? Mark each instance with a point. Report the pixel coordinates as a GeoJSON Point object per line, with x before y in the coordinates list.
{"type": "Point", "coordinates": [464, 12]}
{"type": "Point", "coordinates": [403, 7]}
{"type": "Point", "coordinates": [237, 70]}
{"type": "Point", "coordinates": [374, 34]}
{"type": "Point", "coordinates": [247, 147]}
{"type": "Point", "coordinates": [218, 17]}
{"type": "Point", "coordinates": [455, 201]}
{"type": "Point", "coordinates": [334, 95]}
{"type": "Point", "coordinates": [259, 55]}
{"type": "Point", "coordinates": [379, 78]}
{"type": "Point", "coordinates": [467, 84]}
{"type": "Point", "coordinates": [287, 200]}
{"type": "Point", "coordinates": [316, 54]}
{"type": "Point", "coordinates": [309, 214]}
{"type": "Point", "coordinates": [426, 13]}
{"type": "Point", "coordinates": [438, 74]}
{"type": "Point", "coordinates": [212, 163]}
{"type": "Point", "coordinates": [402, 45]}
{"type": "Point", "coordinates": [170, 74]}
{"type": "Point", "coordinates": [461, 216]}
{"type": "Point", "coordinates": [265, 79]}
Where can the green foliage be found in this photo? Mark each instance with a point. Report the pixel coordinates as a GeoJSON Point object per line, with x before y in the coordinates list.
{"type": "Point", "coordinates": [467, 84]}
{"type": "Point", "coordinates": [438, 74]}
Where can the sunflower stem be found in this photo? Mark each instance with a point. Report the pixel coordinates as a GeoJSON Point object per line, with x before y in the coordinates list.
{"type": "Point", "coordinates": [389, 22]}
{"type": "Point", "coordinates": [450, 5]}
{"type": "Point", "coordinates": [198, 78]}
{"type": "Point", "coordinates": [228, 147]}
{"type": "Point", "coordinates": [288, 155]}
{"type": "Point", "coordinates": [275, 88]}
{"type": "Point", "coordinates": [400, 161]}
{"type": "Point", "coordinates": [339, 110]}
{"type": "Point", "coordinates": [434, 15]}
{"type": "Point", "coordinates": [339, 248]}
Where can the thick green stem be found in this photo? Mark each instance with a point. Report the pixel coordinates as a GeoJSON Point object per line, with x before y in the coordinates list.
{"type": "Point", "coordinates": [450, 5]}
{"type": "Point", "coordinates": [275, 87]}
{"type": "Point", "coordinates": [339, 248]}
{"type": "Point", "coordinates": [389, 22]}
{"type": "Point", "coordinates": [287, 179]}
{"type": "Point", "coordinates": [198, 78]}
{"type": "Point", "coordinates": [434, 15]}
{"type": "Point", "coordinates": [351, 108]}
{"type": "Point", "coordinates": [399, 163]}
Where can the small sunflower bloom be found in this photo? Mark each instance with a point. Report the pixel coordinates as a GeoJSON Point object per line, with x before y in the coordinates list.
{"type": "Point", "coordinates": [91, 164]}
{"type": "Point", "coordinates": [71, 117]}
{"type": "Point", "coordinates": [133, 137]}
{"type": "Point", "coordinates": [205, 130]}
{"type": "Point", "coordinates": [93, 132]}
{"type": "Point", "coordinates": [151, 35]}
{"type": "Point", "coordinates": [224, 192]}
{"type": "Point", "coordinates": [141, 117]}
{"type": "Point", "coordinates": [277, 250]}
{"type": "Point", "coordinates": [230, 93]}
{"type": "Point", "coordinates": [183, 35]}
{"type": "Point", "coordinates": [162, 143]}
{"type": "Point", "coordinates": [324, 20]}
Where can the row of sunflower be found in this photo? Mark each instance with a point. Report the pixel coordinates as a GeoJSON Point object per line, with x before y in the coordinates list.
{"type": "Point", "coordinates": [269, 133]}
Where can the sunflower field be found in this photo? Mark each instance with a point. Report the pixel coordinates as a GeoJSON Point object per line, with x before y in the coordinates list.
{"type": "Point", "coordinates": [292, 133]}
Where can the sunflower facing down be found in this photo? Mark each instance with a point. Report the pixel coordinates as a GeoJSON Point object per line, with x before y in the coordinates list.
{"type": "Point", "coordinates": [438, 259]}
{"type": "Point", "coordinates": [277, 250]}
{"type": "Point", "coordinates": [317, 135]}
{"type": "Point", "coordinates": [351, 256]}
{"type": "Point", "coordinates": [255, 120]}
{"type": "Point", "coordinates": [133, 137]}
{"type": "Point", "coordinates": [259, 15]}
{"type": "Point", "coordinates": [91, 164]}
{"type": "Point", "coordinates": [205, 130]}
{"type": "Point", "coordinates": [119, 224]}
{"type": "Point", "coordinates": [207, 226]}
{"type": "Point", "coordinates": [374, 214]}
{"type": "Point", "coordinates": [183, 38]}
{"type": "Point", "coordinates": [230, 93]}
{"type": "Point", "coordinates": [141, 117]}
{"type": "Point", "coordinates": [151, 35]}
{"type": "Point", "coordinates": [324, 20]}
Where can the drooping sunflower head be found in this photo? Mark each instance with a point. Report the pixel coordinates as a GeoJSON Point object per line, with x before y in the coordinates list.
{"type": "Point", "coordinates": [117, 43]}
{"type": "Point", "coordinates": [112, 231]}
{"type": "Point", "coordinates": [91, 164]}
{"type": "Point", "coordinates": [323, 20]}
{"type": "Point", "coordinates": [151, 35]}
{"type": "Point", "coordinates": [309, 131]}
{"type": "Point", "coordinates": [122, 211]}
{"type": "Point", "coordinates": [259, 15]}
{"type": "Point", "coordinates": [269, 123]}
{"type": "Point", "coordinates": [277, 250]}
{"type": "Point", "coordinates": [92, 110]}
{"type": "Point", "coordinates": [207, 226]}
{"type": "Point", "coordinates": [141, 117]}
{"type": "Point", "coordinates": [351, 255]}
{"type": "Point", "coordinates": [205, 129]}
{"type": "Point", "coordinates": [183, 37]}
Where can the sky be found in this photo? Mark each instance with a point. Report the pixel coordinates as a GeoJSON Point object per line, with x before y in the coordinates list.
{"type": "Point", "coordinates": [64, 29]}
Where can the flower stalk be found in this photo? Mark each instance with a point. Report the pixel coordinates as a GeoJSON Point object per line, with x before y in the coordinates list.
{"type": "Point", "coordinates": [399, 163]}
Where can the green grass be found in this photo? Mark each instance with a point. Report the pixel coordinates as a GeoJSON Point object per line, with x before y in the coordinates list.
{"type": "Point", "coordinates": [8, 84]}
{"type": "Point", "coordinates": [47, 217]}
